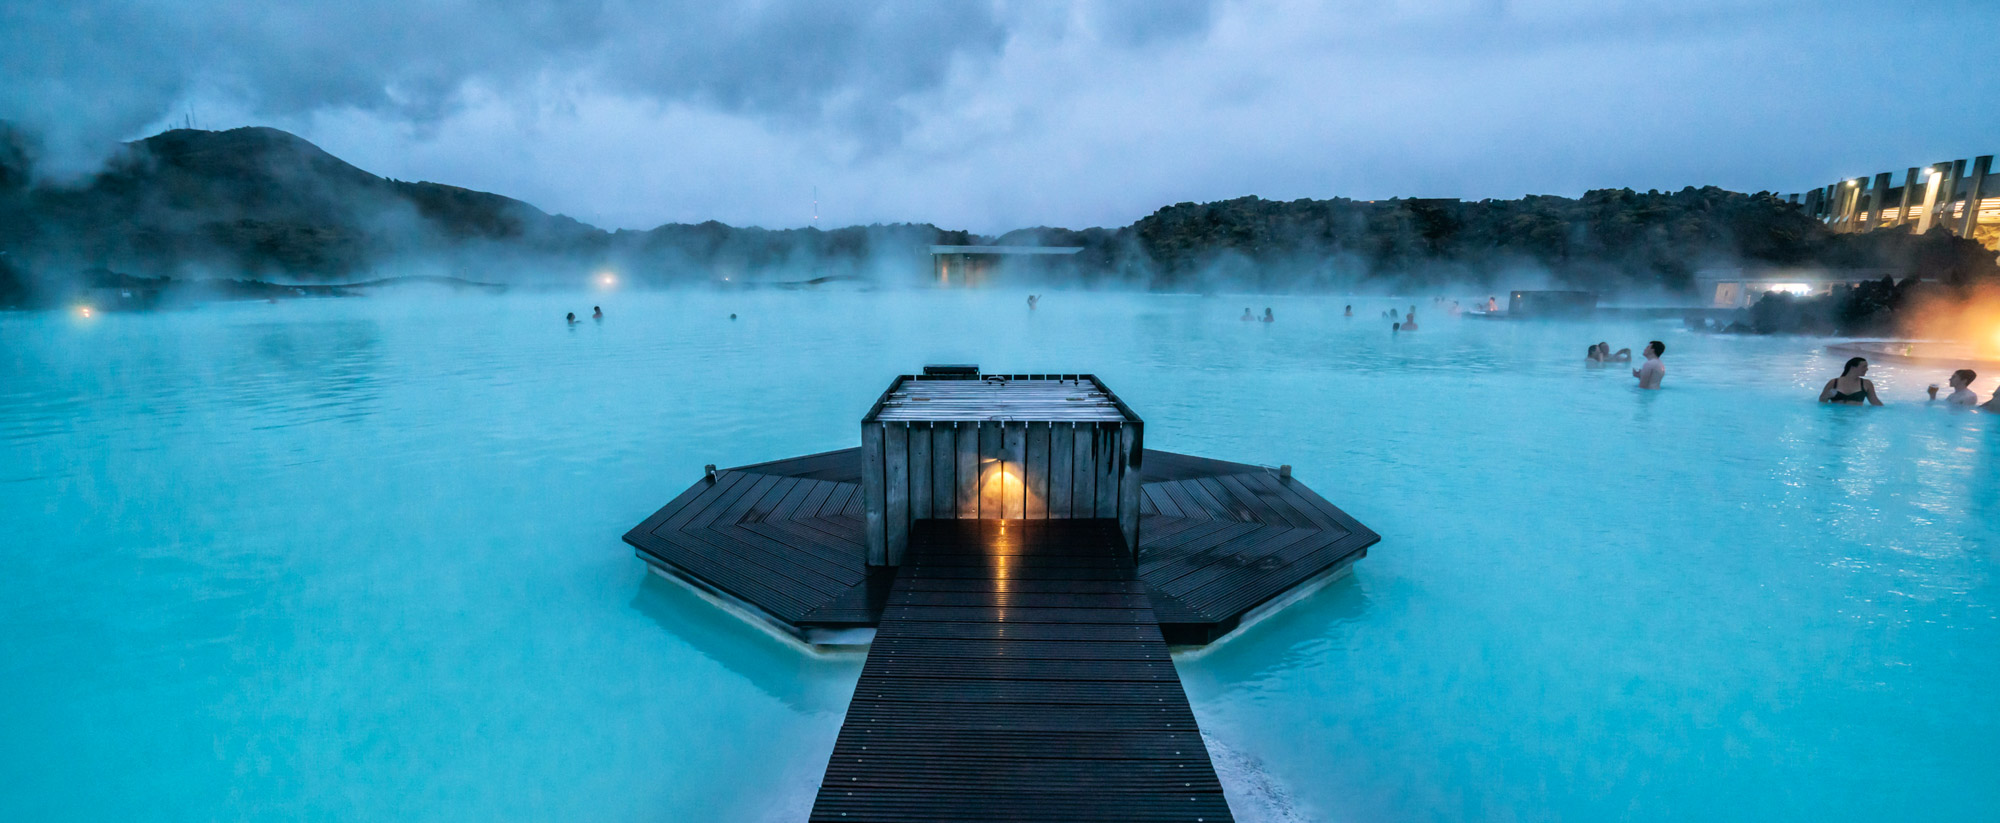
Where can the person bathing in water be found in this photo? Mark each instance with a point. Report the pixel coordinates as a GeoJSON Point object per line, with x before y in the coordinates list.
{"type": "Point", "coordinates": [1961, 389]}
{"type": "Point", "coordinates": [571, 318]}
{"type": "Point", "coordinates": [1267, 315]}
{"type": "Point", "coordinates": [1653, 371]}
{"type": "Point", "coordinates": [1032, 300]}
{"type": "Point", "coordinates": [1410, 320]}
{"type": "Point", "coordinates": [1851, 388]}
{"type": "Point", "coordinates": [1247, 316]}
{"type": "Point", "coordinates": [597, 312]}
{"type": "Point", "coordinates": [1349, 312]}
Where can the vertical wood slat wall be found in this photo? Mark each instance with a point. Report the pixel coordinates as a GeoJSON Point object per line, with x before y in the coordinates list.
{"type": "Point", "coordinates": [992, 470]}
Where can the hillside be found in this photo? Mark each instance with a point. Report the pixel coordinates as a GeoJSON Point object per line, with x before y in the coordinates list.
{"type": "Point", "coordinates": [259, 203]}
{"type": "Point", "coordinates": [263, 203]}
{"type": "Point", "coordinates": [1609, 240]}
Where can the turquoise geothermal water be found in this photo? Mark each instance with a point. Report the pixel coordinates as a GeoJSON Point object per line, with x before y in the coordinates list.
{"type": "Point", "coordinates": [360, 560]}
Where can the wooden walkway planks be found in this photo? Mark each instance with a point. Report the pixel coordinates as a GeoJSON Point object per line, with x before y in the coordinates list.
{"type": "Point", "coordinates": [1018, 674]}
{"type": "Point", "coordinates": [1216, 539]}
{"type": "Point", "coordinates": [787, 545]}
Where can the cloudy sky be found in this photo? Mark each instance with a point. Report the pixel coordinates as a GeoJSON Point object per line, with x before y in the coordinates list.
{"type": "Point", "coordinates": [996, 115]}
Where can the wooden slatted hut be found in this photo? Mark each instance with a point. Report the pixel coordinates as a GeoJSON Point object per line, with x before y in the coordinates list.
{"type": "Point", "coordinates": [956, 444]}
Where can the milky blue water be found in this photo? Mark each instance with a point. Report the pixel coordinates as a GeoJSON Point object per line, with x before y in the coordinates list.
{"type": "Point", "coordinates": [360, 560]}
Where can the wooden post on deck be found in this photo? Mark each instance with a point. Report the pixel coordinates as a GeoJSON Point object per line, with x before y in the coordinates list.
{"type": "Point", "coordinates": [872, 483]}
{"type": "Point", "coordinates": [896, 491]}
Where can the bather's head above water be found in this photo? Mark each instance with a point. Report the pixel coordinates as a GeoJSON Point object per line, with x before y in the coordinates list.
{"type": "Point", "coordinates": [1856, 367]}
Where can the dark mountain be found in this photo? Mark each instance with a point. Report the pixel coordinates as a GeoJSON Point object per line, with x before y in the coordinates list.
{"type": "Point", "coordinates": [264, 204]}
{"type": "Point", "coordinates": [262, 201]}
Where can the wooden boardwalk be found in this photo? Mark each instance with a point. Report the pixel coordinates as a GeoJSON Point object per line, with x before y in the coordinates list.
{"type": "Point", "coordinates": [1217, 541]}
{"type": "Point", "coordinates": [1019, 674]}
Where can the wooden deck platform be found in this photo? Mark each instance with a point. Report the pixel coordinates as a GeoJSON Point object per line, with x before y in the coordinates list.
{"type": "Point", "coordinates": [1018, 674]}
{"type": "Point", "coordinates": [1218, 541]}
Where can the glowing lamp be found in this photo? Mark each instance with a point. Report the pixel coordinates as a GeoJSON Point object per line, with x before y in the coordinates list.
{"type": "Point", "coordinates": [607, 280]}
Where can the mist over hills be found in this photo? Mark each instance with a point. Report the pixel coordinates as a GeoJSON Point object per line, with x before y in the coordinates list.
{"type": "Point", "coordinates": [263, 203]}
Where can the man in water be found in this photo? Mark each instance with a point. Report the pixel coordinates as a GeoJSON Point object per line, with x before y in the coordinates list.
{"type": "Point", "coordinates": [1267, 315]}
{"type": "Point", "coordinates": [571, 317]}
{"type": "Point", "coordinates": [1492, 304]}
{"type": "Point", "coordinates": [596, 312]}
{"type": "Point", "coordinates": [1032, 300]}
{"type": "Point", "coordinates": [1350, 311]}
{"type": "Point", "coordinates": [1410, 320]}
{"type": "Point", "coordinates": [1247, 316]}
{"type": "Point", "coordinates": [1653, 371]}
{"type": "Point", "coordinates": [1961, 388]}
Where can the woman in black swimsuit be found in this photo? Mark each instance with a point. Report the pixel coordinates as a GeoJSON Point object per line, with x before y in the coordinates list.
{"type": "Point", "coordinates": [1850, 388]}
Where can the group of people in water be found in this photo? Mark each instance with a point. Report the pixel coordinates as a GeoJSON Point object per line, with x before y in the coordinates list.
{"type": "Point", "coordinates": [1853, 388]}
{"type": "Point", "coordinates": [596, 313]}
{"type": "Point", "coordinates": [1650, 373]}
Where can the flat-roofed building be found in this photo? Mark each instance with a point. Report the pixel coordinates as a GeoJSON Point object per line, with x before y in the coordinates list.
{"type": "Point", "coordinates": [973, 265]}
{"type": "Point", "coordinates": [1731, 288]}
{"type": "Point", "coordinates": [1962, 195]}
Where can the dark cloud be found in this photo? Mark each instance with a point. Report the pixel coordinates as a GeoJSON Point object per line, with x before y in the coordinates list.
{"type": "Point", "coordinates": [87, 72]}
{"type": "Point", "coordinates": [998, 114]}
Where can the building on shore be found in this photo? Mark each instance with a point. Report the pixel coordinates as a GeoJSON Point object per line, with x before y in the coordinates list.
{"type": "Point", "coordinates": [1961, 196]}
{"type": "Point", "coordinates": [1732, 288]}
{"type": "Point", "coordinates": [973, 265]}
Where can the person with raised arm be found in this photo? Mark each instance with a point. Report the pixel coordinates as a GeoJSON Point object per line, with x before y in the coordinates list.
{"type": "Point", "coordinates": [1961, 389]}
{"type": "Point", "coordinates": [1653, 371]}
